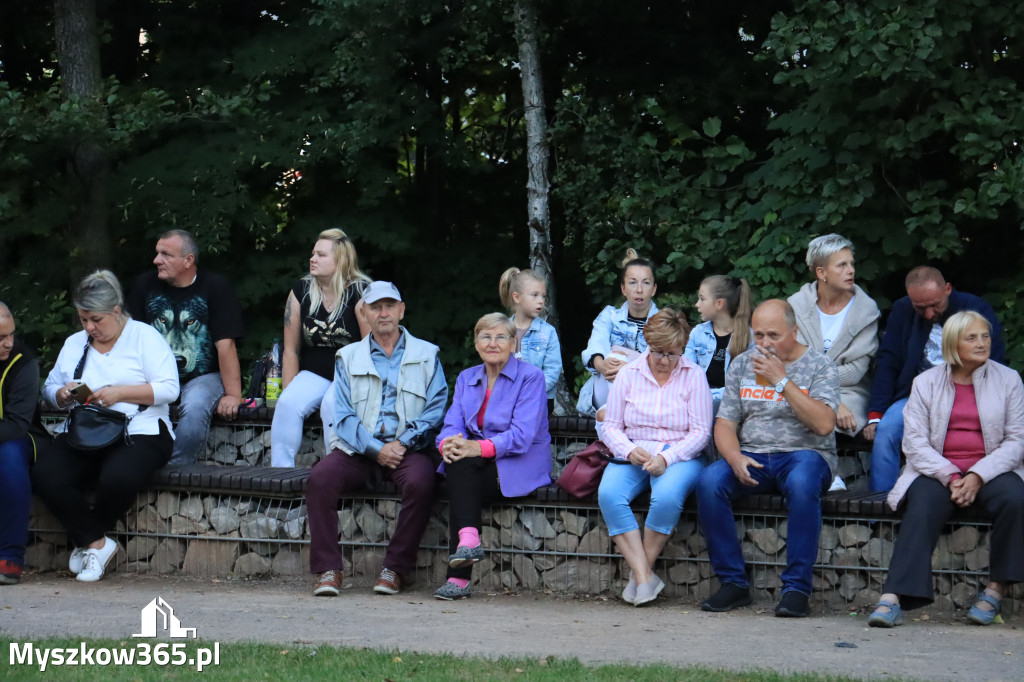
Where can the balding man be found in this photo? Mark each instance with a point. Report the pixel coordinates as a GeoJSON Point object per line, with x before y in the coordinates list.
{"type": "Point", "coordinates": [19, 430]}
{"type": "Point", "coordinates": [199, 315]}
{"type": "Point", "coordinates": [775, 434]}
{"type": "Point", "coordinates": [912, 343]}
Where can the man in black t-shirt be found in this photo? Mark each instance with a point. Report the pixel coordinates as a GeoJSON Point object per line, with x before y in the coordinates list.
{"type": "Point", "coordinates": [200, 316]}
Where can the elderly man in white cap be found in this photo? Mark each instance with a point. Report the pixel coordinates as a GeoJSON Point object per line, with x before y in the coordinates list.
{"type": "Point", "coordinates": [390, 394]}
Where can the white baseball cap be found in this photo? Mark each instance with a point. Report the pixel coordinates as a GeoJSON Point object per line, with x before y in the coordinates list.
{"type": "Point", "coordinates": [379, 290]}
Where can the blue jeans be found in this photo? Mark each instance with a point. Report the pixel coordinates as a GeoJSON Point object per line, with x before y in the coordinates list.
{"type": "Point", "coordinates": [199, 398]}
{"type": "Point", "coordinates": [801, 476]}
{"type": "Point", "coordinates": [15, 498]}
{"type": "Point", "coordinates": [887, 448]}
{"type": "Point", "coordinates": [621, 483]}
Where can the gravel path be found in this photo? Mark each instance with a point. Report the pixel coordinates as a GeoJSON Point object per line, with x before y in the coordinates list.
{"type": "Point", "coordinates": [594, 630]}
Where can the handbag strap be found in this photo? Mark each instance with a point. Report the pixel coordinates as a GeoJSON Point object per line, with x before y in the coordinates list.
{"type": "Point", "coordinates": [81, 368]}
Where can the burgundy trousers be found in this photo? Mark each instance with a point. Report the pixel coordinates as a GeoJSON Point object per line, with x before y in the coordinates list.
{"type": "Point", "coordinates": [339, 473]}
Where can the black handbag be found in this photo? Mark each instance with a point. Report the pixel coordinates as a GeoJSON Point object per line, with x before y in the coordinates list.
{"type": "Point", "coordinates": [91, 427]}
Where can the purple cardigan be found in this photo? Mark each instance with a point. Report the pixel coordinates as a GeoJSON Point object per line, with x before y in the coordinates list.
{"type": "Point", "coordinates": [516, 421]}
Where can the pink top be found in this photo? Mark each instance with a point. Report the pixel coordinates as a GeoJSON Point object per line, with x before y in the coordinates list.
{"type": "Point", "coordinates": [486, 446]}
{"type": "Point", "coordinates": [641, 413]}
{"type": "Point", "coordinates": [964, 445]}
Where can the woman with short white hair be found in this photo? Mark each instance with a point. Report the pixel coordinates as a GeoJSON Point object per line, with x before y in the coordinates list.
{"type": "Point", "coordinates": [837, 318]}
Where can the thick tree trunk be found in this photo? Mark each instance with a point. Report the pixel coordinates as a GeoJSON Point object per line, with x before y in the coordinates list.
{"type": "Point", "coordinates": [537, 153]}
{"type": "Point", "coordinates": [78, 55]}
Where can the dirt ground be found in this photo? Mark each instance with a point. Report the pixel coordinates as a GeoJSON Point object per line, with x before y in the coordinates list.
{"type": "Point", "coordinates": [535, 625]}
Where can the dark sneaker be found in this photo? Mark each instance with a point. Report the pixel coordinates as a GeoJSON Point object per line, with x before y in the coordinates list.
{"type": "Point", "coordinates": [729, 596]}
{"type": "Point", "coordinates": [465, 556]}
{"type": "Point", "coordinates": [388, 582]}
{"type": "Point", "coordinates": [10, 572]}
{"type": "Point", "coordinates": [793, 605]}
{"type": "Point", "coordinates": [329, 584]}
{"type": "Point", "coordinates": [451, 592]}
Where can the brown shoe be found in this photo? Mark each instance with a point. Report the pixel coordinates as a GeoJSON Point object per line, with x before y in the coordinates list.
{"type": "Point", "coordinates": [389, 582]}
{"type": "Point", "coordinates": [329, 584]}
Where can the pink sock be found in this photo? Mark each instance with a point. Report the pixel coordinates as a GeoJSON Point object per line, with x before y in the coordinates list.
{"type": "Point", "coordinates": [469, 537]}
{"type": "Point", "coordinates": [459, 582]}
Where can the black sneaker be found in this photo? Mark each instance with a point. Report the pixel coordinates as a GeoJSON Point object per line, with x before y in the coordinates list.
{"type": "Point", "coordinates": [793, 605]}
{"type": "Point", "coordinates": [728, 597]}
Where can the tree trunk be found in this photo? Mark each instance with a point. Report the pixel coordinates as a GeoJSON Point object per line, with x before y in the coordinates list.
{"type": "Point", "coordinates": [78, 55]}
{"type": "Point", "coordinates": [537, 154]}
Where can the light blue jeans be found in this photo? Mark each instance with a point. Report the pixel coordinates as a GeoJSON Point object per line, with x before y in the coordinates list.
{"type": "Point", "coordinates": [887, 448]}
{"type": "Point", "coordinates": [300, 399]}
{"type": "Point", "coordinates": [199, 398]}
{"type": "Point", "coordinates": [621, 483]}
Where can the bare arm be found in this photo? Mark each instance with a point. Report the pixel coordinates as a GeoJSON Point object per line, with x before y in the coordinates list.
{"type": "Point", "coordinates": [231, 377]}
{"type": "Point", "coordinates": [364, 326]}
{"type": "Point", "coordinates": [292, 340]}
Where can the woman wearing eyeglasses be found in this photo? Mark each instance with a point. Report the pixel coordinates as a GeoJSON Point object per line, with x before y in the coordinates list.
{"type": "Point", "coordinates": [658, 419]}
{"type": "Point", "coordinates": [494, 443]}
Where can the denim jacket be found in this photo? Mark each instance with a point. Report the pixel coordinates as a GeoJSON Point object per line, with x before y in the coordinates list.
{"type": "Point", "coordinates": [611, 328]}
{"type": "Point", "coordinates": [701, 348]}
{"type": "Point", "coordinates": [540, 348]}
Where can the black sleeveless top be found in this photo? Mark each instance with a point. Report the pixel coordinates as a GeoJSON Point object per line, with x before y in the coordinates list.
{"type": "Point", "coordinates": [321, 339]}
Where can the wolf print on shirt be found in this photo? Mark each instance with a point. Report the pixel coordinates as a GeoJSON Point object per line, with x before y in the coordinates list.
{"type": "Point", "coordinates": [184, 324]}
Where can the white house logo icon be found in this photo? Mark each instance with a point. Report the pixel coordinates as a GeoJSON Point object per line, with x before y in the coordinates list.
{"type": "Point", "coordinates": [159, 611]}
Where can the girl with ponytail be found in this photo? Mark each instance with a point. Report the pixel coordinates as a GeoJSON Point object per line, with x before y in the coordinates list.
{"type": "Point", "coordinates": [725, 308]}
{"type": "Point", "coordinates": [523, 293]}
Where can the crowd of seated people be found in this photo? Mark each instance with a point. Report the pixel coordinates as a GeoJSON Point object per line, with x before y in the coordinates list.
{"type": "Point", "coordinates": [747, 402]}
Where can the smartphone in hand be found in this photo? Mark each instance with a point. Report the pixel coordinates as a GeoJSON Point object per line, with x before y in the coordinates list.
{"type": "Point", "coordinates": [81, 393]}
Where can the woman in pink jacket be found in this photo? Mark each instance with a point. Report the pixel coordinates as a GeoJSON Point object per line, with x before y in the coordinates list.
{"type": "Point", "coordinates": [964, 442]}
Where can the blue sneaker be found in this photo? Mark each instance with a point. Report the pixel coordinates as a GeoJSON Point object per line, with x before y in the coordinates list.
{"type": "Point", "coordinates": [984, 616]}
{"type": "Point", "coordinates": [886, 619]}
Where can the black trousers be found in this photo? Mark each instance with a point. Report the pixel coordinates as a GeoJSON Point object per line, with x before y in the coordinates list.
{"type": "Point", "coordinates": [472, 483]}
{"type": "Point", "coordinates": [63, 475]}
{"type": "Point", "coordinates": [928, 508]}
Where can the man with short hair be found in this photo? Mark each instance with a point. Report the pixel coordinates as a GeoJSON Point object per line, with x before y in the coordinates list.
{"type": "Point", "coordinates": [775, 434]}
{"type": "Point", "coordinates": [390, 394]}
{"type": "Point", "coordinates": [198, 312]}
{"type": "Point", "coordinates": [911, 344]}
{"type": "Point", "coordinates": [20, 429]}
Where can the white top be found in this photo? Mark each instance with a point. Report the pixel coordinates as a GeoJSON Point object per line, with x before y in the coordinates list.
{"type": "Point", "coordinates": [140, 356]}
{"type": "Point", "coordinates": [831, 325]}
{"type": "Point", "coordinates": [933, 347]}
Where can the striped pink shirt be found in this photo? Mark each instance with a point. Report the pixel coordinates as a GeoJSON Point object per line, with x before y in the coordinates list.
{"type": "Point", "coordinates": [641, 413]}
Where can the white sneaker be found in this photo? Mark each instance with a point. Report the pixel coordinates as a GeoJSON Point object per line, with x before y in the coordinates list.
{"type": "Point", "coordinates": [77, 560]}
{"type": "Point", "coordinates": [837, 484]}
{"type": "Point", "coordinates": [96, 561]}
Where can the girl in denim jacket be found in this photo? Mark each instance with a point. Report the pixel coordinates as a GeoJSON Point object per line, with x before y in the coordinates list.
{"type": "Point", "coordinates": [725, 306]}
{"type": "Point", "coordinates": [523, 293]}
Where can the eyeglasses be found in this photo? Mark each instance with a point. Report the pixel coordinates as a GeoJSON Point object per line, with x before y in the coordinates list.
{"type": "Point", "coordinates": [487, 338]}
{"type": "Point", "coordinates": [658, 355]}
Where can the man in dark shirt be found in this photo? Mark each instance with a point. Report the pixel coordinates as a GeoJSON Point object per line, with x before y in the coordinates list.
{"type": "Point", "coordinates": [200, 316]}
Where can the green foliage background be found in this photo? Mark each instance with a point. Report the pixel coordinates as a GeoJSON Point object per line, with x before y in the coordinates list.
{"type": "Point", "coordinates": [713, 137]}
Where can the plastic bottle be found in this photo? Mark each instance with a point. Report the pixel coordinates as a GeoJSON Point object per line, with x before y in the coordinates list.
{"type": "Point", "coordinates": [274, 374]}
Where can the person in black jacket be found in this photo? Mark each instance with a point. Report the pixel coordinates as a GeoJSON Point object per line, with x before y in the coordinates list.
{"type": "Point", "coordinates": [19, 431]}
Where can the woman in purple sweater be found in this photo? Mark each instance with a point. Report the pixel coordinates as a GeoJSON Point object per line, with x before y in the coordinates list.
{"type": "Point", "coordinates": [495, 443]}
